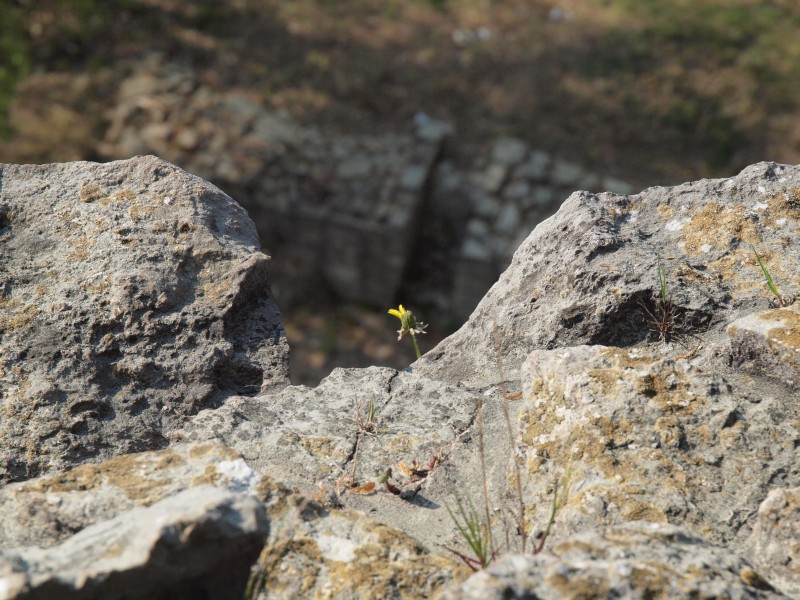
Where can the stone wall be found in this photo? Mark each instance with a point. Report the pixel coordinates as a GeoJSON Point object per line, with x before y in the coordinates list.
{"type": "Point", "coordinates": [348, 212]}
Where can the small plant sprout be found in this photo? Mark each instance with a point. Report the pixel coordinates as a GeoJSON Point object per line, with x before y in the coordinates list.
{"type": "Point", "coordinates": [782, 300]}
{"type": "Point", "coordinates": [475, 534]}
{"type": "Point", "coordinates": [408, 325]}
{"type": "Point", "coordinates": [364, 417]}
{"type": "Point", "coordinates": [560, 497]}
{"type": "Point", "coordinates": [663, 319]}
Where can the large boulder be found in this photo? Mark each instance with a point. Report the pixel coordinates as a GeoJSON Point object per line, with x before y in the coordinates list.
{"type": "Point", "coordinates": [645, 384]}
{"type": "Point", "coordinates": [132, 295]}
{"type": "Point", "coordinates": [197, 544]}
{"type": "Point", "coordinates": [188, 522]}
{"type": "Point", "coordinates": [586, 275]}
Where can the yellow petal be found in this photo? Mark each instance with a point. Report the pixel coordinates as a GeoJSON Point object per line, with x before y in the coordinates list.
{"type": "Point", "coordinates": [395, 312]}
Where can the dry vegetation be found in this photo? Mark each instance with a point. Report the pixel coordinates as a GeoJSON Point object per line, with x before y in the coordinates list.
{"type": "Point", "coordinates": [647, 90]}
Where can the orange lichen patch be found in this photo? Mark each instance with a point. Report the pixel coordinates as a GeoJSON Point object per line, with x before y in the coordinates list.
{"type": "Point", "coordinates": [90, 192]}
{"type": "Point", "coordinates": [136, 475]}
{"type": "Point", "coordinates": [397, 444]}
{"type": "Point", "coordinates": [784, 205]}
{"type": "Point", "coordinates": [668, 389]}
{"type": "Point", "coordinates": [718, 225]}
{"type": "Point", "coordinates": [624, 358]}
{"type": "Point", "coordinates": [145, 478]}
{"type": "Point", "coordinates": [376, 562]}
{"type": "Point", "coordinates": [19, 319]}
{"type": "Point", "coordinates": [322, 446]}
{"type": "Point", "coordinates": [665, 211]}
{"type": "Point", "coordinates": [139, 212]}
{"type": "Point", "coordinates": [118, 197]}
{"type": "Point", "coordinates": [81, 246]}
{"type": "Point", "coordinates": [787, 336]}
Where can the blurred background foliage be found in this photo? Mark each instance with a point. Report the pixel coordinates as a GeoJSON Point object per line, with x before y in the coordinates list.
{"type": "Point", "coordinates": [654, 91]}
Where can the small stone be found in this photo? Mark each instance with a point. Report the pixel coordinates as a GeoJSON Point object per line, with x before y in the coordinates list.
{"type": "Point", "coordinates": [536, 167]}
{"type": "Point", "coordinates": [566, 174]}
{"type": "Point", "coordinates": [492, 179]}
{"type": "Point", "coordinates": [517, 190]}
{"type": "Point", "coordinates": [508, 219]}
{"type": "Point", "coordinates": [509, 151]}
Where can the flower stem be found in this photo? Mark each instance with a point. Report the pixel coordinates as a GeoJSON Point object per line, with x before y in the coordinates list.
{"type": "Point", "coordinates": [416, 348]}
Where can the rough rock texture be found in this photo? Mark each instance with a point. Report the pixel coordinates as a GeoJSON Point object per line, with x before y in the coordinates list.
{"type": "Point", "coordinates": [580, 277]}
{"type": "Point", "coordinates": [45, 511]}
{"type": "Point", "coordinates": [317, 553]}
{"type": "Point", "coordinates": [689, 429]}
{"type": "Point", "coordinates": [198, 543]}
{"type": "Point", "coordinates": [133, 294]}
{"type": "Point", "coordinates": [775, 542]}
{"type": "Point", "coordinates": [150, 525]}
{"type": "Point", "coordinates": [633, 561]}
{"type": "Point", "coordinates": [317, 440]}
{"type": "Point", "coordinates": [767, 343]}
{"type": "Point", "coordinates": [647, 437]}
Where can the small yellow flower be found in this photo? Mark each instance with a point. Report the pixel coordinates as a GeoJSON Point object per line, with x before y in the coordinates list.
{"type": "Point", "coordinates": [408, 324]}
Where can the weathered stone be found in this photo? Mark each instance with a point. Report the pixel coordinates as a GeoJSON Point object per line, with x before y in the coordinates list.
{"type": "Point", "coordinates": [583, 274]}
{"type": "Point", "coordinates": [317, 553]}
{"type": "Point", "coordinates": [634, 561]}
{"type": "Point", "coordinates": [133, 294]}
{"type": "Point", "coordinates": [768, 343]}
{"type": "Point", "coordinates": [492, 178]}
{"type": "Point", "coordinates": [566, 174]}
{"type": "Point", "coordinates": [313, 439]}
{"type": "Point", "coordinates": [508, 219]}
{"type": "Point", "coordinates": [508, 151]}
{"type": "Point", "coordinates": [196, 544]}
{"type": "Point", "coordinates": [644, 437]}
{"type": "Point", "coordinates": [536, 168]}
{"type": "Point", "coordinates": [775, 542]}
{"type": "Point", "coordinates": [45, 511]}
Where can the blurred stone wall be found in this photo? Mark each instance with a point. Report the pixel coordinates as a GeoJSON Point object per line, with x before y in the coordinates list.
{"type": "Point", "coordinates": [349, 216]}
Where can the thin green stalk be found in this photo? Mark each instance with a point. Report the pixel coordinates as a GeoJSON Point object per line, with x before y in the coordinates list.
{"type": "Point", "coordinates": [770, 284]}
{"type": "Point", "coordinates": [416, 348]}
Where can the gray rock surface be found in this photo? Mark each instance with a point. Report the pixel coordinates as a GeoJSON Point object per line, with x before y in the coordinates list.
{"type": "Point", "coordinates": [582, 275]}
{"type": "Point", "coordinates": [660, 444]}
{"type": "Point", "coordinates": [642, 436]}
{"type": "Point", "coordinates": [132, 295]}
{"type": "Point", "coordinates": [315, 440]}
{"type": "Point", "coordinates": [94, 540]}
{"type": "Point", "coordinates": [198, 543]}
{"type": "Point", "coordinates": [767, 343]}
{"type": "Point", "coordinates": [50, 509]}
{"type": "Point", "coordinates": [634, 561]}
{"type": "Point", "coordinates": [313, 552]}
{"type": "Point", "coordinates": [775, 541]}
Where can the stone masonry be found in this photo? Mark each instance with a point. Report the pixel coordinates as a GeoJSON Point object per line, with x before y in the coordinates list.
{"type": "Point", "coordinates": [344, 212]}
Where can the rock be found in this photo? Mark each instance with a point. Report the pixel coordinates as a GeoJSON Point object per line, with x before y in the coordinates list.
{"type": "Point", "coordinates": [644, 437]}
{"type": "Point", "coordinates": [638, 560]}
{"type": "Point", "coordinates": [583, 274]}
{"type": "Point", "coordinates": [768, 343]}
{"type": "Point", "coordinates": [774, 541]}
{"type": "Point", "coordinates": [314, 552]}
{"type": "Point", "coordinates": [566, 174]}
{"type": "Point", "coordinates": [315, 440]}
{"type": "Point", "coordinates": [48, 510]}
{"type": "Point", "coordinates": [197, 543]}
{"type": "Point", "coordinates": [508, 151]}
{"type": "Point", "coordinates": [151, 525]}
{"type": "Point", "coordinates": [133, 294]}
